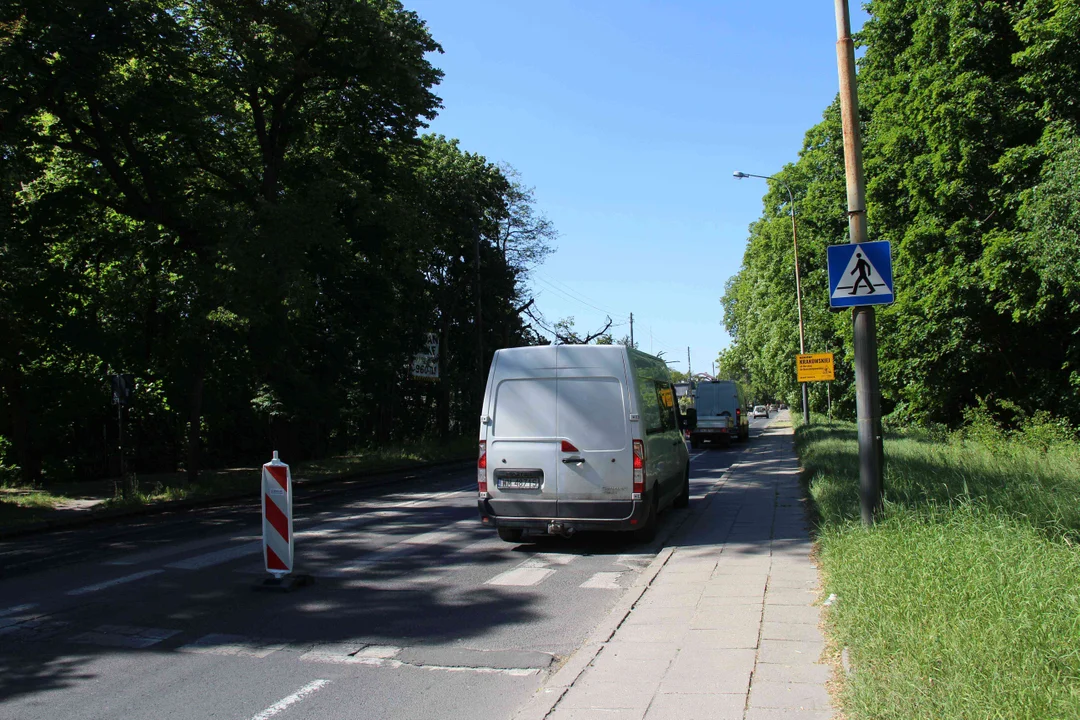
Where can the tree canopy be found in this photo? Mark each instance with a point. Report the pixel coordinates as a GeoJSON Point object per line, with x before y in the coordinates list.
{"type": "Point", "coordinates": [234, 202]}
{"type": "Point", "coordinates": [969, 111]}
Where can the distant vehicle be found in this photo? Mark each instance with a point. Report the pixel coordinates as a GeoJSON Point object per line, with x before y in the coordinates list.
{"type": "Point", "coordinates": [761, 411]}
{"type": "Point", "coordinates": [783, 406]}
{"type": "Point", "coordinates": [579, 437]}
{"type": "Point", "coordinates": [719, 417]}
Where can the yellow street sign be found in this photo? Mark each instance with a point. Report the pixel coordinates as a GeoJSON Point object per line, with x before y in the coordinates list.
{"type": "Point", "coordinates": [815, 367]}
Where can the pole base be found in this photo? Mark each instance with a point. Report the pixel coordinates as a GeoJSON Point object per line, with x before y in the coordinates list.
{"type": "Point", "coordinates": [284, 584]}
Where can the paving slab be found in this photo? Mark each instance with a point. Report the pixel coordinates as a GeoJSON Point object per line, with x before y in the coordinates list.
{"type": "Point", "coordinates": [728, 626]}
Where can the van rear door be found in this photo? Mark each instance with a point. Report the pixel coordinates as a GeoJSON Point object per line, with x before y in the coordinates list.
{"type": "Point", "coordinates": [523, 446]}
{"type": "Point", "coordinates": [596, 468]}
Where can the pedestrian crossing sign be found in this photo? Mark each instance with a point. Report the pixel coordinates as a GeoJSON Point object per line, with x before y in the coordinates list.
{"type": "Point", "coordinates": [860, 274]}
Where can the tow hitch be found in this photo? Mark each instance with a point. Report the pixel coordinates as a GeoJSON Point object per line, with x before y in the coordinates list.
{"type": "Point", "coordinates": [557, 528]}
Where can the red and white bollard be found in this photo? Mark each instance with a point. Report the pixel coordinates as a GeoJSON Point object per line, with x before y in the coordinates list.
{"type": "Point", "coordinates": [277, 518]}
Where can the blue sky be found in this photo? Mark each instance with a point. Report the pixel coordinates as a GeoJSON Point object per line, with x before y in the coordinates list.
{"type": "Point", "coordinates": [628, 119]}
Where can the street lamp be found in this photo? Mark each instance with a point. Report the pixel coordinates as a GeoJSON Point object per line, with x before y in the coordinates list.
{"type": "Point", "coordinates": [798, 285]}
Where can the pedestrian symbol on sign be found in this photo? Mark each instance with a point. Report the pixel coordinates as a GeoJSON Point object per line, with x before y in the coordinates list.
{"type": "Point", "coordinates": [862, 267]}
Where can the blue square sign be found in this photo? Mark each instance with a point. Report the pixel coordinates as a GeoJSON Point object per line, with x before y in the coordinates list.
{"type": "Point", "coordinates": [860, 274]}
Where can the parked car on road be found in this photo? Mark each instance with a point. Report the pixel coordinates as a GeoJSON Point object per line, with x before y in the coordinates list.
{"type": "Point", "coordinates": [761, 411]}
{"type": "Point", "coordinates": [579, 437]}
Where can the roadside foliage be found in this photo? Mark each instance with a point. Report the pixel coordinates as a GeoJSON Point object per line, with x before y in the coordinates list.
{"type": "Point", "coordinates": [963, 600]}
{"type": "Point", "coordinates": [235, 203]}
{"type": "Point", "coordinates": [970, 122]}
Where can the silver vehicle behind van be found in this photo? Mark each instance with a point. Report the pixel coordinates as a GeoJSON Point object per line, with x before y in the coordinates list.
{"type": "Point", "coordinates": [579, 437]}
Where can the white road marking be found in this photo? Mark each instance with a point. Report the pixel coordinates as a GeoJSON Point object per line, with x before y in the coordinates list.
{"type": "Point", "coordinates": [381, 656]}
{"type": "Point", "coordinates": [217, 557]}
{"type": "Point", "coordinates": [344, 657]}
{"type": "Point", "coordinates": [235, 645]}
{"type": "Point", "coordinates": [125, 636]}
{"type": "Point", "coordinates": [296, 697]}
{"type": "Point", "coordinates": [520, 577]}
{"type": "Point", "coordinates": [151, 555]}
{"type": "Point", "coordinates": [634, 562]}
{"type": "Point", "coordinates": [603, 581]}
{"type": "Point", "coordinates": [439, 537]}
{"type": "Point", "coordinates": [409, 545]}
{"type": "Point", "coordinates": [17, 609]}
{"type": "Point", "coordinates": [545, 559]}
{"type": "Point", "coordinates": [110, 583]}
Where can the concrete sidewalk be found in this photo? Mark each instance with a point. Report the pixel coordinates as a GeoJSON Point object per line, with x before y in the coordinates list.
{"type": "Point", "coordinates": [723, 624]}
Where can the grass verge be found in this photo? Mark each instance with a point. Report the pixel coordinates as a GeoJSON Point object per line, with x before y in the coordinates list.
{"type": "Point", "coordinates": [24, 505]}
{"type": "Point", "coordinates": [19, 506]}
{"type": "Point", "coordinates": [964, 600]}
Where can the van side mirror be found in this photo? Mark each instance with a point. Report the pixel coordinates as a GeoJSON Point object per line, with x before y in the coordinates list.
{"type": "Point", "coordinates": [691, 418]}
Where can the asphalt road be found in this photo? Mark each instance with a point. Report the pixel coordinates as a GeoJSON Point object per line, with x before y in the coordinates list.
{"type": "Point", "coordinates": [417, 611]}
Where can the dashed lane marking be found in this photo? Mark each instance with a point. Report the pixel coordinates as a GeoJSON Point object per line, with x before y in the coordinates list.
{"type": "Point", "coordinates": [164, 552]}
{"type": "Point", "coordinates": [87, 589]}
{"type": "Point", "coordinates": [17, 609]}
{"type": "Point", "coordinates": [296, 697]}
{"type": "Point", "coordinates": [217, 557]}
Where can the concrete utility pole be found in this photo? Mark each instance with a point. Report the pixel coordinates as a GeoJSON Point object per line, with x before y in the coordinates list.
{"type": "Point", "coordinates": [689, 372]}
{"type": "Point", "coordinates": [631, 329]}
{"type": "Point", "coordinates": [867, 389]}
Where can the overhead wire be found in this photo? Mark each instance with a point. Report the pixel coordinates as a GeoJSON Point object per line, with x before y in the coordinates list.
{"type": "Point", "coordinates": [577, 300]}
{"type": "Point", "coordinates": [569, 293]}
{"type": "Point", "coordinates": [576, 294]}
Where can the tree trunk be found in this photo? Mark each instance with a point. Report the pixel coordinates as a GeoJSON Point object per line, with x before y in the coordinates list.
{"type": "Point", "coordinates": [194, 445]}
{"type": "Point", "coordinates": [442, 417]}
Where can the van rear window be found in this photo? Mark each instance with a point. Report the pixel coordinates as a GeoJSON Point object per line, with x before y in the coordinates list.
{"type": "Point", "coordinates": [525, 408]}
{"type": "Point", "coordinates": [592, 413]}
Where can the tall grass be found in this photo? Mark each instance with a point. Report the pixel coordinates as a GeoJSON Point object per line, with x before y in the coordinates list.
{"type": "Point", "coordinates": [964, 600]}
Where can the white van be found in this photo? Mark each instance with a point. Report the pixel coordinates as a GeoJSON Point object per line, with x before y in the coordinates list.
{"type": "Point", "coordinates": [579, 437]}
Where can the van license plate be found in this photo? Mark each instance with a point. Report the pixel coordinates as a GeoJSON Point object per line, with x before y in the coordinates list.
{"type": "Point", "coordinates": [518, 479]}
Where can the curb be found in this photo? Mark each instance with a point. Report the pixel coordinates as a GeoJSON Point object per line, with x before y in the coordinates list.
{"type": "Point", "coordinates": [552, 691]}
{"type": "Point", "coordinates": [238, 498]}
{"type": "Point", "coordinates": [540, 705]}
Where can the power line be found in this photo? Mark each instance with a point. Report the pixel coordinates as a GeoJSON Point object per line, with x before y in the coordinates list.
{"type": "Point", "coordinates": [577, 300]}
{"type": "Point", "coordinates": [576, 294]}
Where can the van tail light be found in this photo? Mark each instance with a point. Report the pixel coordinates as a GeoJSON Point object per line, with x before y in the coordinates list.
{"type": "Point", "coordinates": [639, 469]}
{"type": "Point", "coordinates": [568, 446]}
{"type": "Point", "coordinates": [481, 470]}
{"type": "Point", "coordinates": [738, 417]}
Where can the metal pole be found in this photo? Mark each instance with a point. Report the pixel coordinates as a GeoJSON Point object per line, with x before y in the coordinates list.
{"type": "Point", "coordinates": [631, 329]}
{"type": "Point", "coordinates": [798, 300]}
{"type": "Point", "coordinates": [798, 281]}
{"type": "Point", "coordinates": [479, 318]}
{"type": "Point", "coordinates": [867, 390]}
{"type": "Point", "coordinates": [689, 372]}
